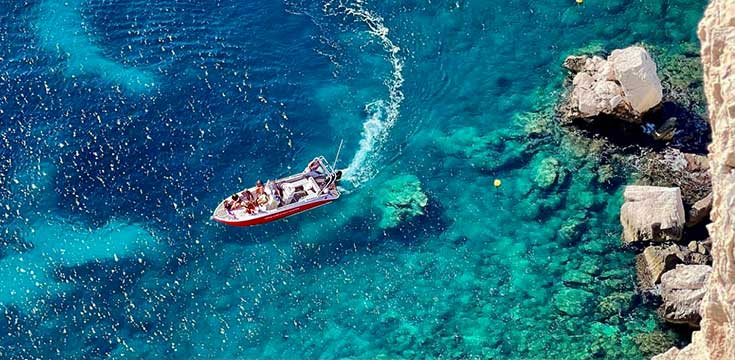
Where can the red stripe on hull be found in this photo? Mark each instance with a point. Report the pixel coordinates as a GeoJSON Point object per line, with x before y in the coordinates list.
{"type": "Point", "coordinates": [275, 216]}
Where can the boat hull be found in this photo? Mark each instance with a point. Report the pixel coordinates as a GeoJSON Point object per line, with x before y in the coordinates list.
{"type": "Point", "coordinates": [266, 218]}
{"type": "Point", "coordinates": [296, 193]}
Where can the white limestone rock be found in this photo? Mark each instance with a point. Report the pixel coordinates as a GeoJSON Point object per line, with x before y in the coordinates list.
{"type": "Point", "coordinates": [652, 213]}
{"type": "Point", "coordinates": [636, 72]}
{"type": "Point", "coordinates": [624, 86]}
{"type": "Point", "coordinates": [682, 291]}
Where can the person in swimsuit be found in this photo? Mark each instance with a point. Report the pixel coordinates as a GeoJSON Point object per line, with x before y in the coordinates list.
{"type": "Point", "coordinates": [313, 171]}
{"type": "Point", "coordinates": [248, 201]}
{"type": "Point", "coordinates": [275, 192]}
{"type": "Point", "coordinates": [228, 207]}
{"type": "Point", "coordinates": [232, 204]}
{"type": "Point", "coordinates": [247, 195]}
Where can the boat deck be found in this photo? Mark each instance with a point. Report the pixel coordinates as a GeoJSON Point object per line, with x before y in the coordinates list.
{"type": "Point", "coordinates": [299, 192]}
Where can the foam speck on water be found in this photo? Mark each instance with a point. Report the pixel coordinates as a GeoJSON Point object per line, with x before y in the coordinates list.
{"type": "Point", "coordinates": [60, 28]}
{"type": "Point", "coordinates": [382, 114]}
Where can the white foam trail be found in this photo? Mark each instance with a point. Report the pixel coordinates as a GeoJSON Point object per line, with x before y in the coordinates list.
{"type": "Point", "coordinates": [382, 114]}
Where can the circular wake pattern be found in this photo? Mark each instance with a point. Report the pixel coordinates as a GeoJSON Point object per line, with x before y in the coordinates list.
{"type": "Point", "coordinates": [382, 114]}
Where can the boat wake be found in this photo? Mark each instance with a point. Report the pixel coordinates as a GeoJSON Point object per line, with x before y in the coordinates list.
{"type": "Point", "coordinates": [382, 114]}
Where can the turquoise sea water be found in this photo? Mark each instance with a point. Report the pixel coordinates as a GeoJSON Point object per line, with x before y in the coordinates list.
{"type": "Point", "coordinates": [124, 122]}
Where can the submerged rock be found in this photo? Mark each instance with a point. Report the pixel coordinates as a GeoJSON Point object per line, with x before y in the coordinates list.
{"type": "Point", "coordinates": [605, 174]}
{"type": "Point", "coordinates": [681, 77]}
{"type": "Point", "coordinates": [486, 152]}
{"type": "Point", "coordinates": [573, 301]}
{"type": "Point", "coordinates": [651, 213]}
{"type": "Point", "coordinates": [576, 277]}
{"type": "Point", "coordinates": [653, 343]}
{"type": "Point", "coordinates": [617, 303]}
{"type": "Point", "coordinates": [624, 86]}
{"type": "Point", "coordinates": [682, 291]}
{"type": "Point", "coordinates": [549, 172]}
{"type": "Point", "coordinates": [571, 230]}
{"type": "Point", "coordinates": [399, 199]}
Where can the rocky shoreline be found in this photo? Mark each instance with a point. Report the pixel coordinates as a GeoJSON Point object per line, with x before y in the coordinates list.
{"type": "Point", "coordinates": [716, 339]}
{"type": "Point", "coordinates": [665, 213]}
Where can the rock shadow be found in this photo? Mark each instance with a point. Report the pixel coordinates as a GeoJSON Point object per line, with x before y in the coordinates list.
{"type": "Point", "coordinates": [689, 132]}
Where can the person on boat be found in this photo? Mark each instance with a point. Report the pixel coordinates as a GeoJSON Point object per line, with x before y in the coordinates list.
{"type": "Point", "coordinates": [250, 207]}
{"type": "Point", "coordinates": [247, 199]}
{"type": "Point", "coordinates": [313, 171]}
{"type": "Point", "coordinates": [228, 207]}
{"type": "Point", "coordinates": [278, 189]}
{"type": "Point", "coordinates": [313, 165]}
{"type": "Point", "coordinates": [246, 195]}
{"type": "Point", "coordinates": [259, 188]}
{"type": "Point", "coordinates": [261, 198]}
{"type": "Point", "coordinates": [235, 201]}
{"type": "Point", "coordinates": [275, 191]}
{"type": "Point", "coordinates": [332, 189]}
{"type": "Point", "coordinates": [232, 204]}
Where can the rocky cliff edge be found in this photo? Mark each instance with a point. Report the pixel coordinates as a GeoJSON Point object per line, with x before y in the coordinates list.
{"type": "Point", "coordinates": [716, 339]}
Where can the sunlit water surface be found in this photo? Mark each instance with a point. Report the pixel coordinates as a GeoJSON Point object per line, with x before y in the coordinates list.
{"type": "Point", "coordinates": [124, 122]}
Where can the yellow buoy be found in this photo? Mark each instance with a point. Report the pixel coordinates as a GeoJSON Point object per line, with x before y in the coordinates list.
{"type": "Point", "coordinates": [579, 2]}
{"type": "Point", "coordinates": [497, 182]}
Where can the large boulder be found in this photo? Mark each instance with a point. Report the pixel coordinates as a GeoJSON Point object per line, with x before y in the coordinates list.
{"type": "Point", "coordinates": [624, 86]}
{"type": "Point", "coordinates": [654, 261]}
{"type": "Point", "coordinates": [636, 72]}
{"type": "Point", "coordinates": [682, 291]}
{"type": "Point", "coordinates": [700, 211]}
{"type": "Point", "coordinates": [652, 213]}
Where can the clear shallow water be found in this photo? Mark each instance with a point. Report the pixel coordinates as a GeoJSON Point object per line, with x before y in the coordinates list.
{"type": "Point", "coordinates": [124, 122]}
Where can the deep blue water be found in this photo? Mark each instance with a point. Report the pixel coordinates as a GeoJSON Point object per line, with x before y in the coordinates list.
{"type": "Point", "coordinates": [124, 122]}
